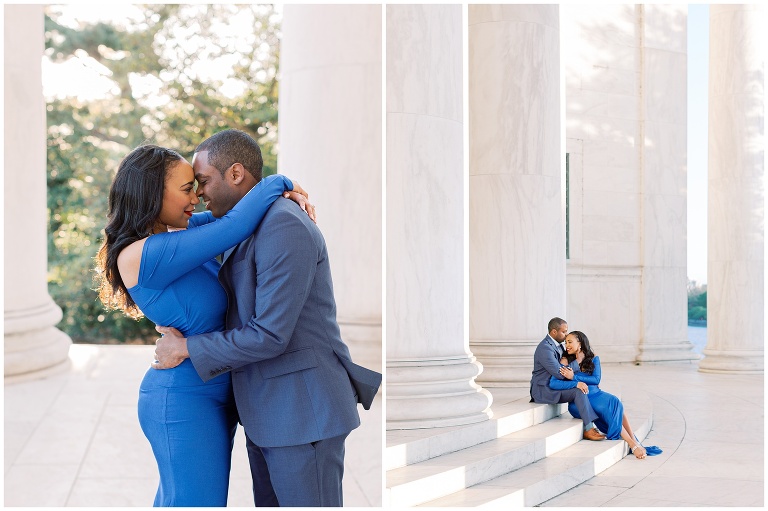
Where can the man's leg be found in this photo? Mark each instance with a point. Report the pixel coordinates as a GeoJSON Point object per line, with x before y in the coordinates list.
{"type": "Point", "coordinates": [308, 475]}
{"type": "Point", "coordinates": [263, 494]}
{"type": "Point", "coordinates": [581, 401]}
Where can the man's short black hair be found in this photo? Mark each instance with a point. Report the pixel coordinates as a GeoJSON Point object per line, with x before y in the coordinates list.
{"type": "Point", "coordinates": [555, 323]}
{"type": "Point", "coordinates": [231, 146]}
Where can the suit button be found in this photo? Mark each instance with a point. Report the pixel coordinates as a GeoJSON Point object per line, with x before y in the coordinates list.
{"type": "Point", "coordinates": [213, 373]}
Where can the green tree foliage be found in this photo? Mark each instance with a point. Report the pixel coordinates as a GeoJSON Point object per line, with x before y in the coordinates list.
{"type": "Point", "coordinates": [180, 73]}
{"type": "Point", "coordinates": [697, 302]}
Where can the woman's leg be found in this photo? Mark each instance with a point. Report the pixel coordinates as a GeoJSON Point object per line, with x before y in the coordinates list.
{"type": "Point", "coordinates": [629, 437]}
{"type": "Point", "coordinates": [191, 429]}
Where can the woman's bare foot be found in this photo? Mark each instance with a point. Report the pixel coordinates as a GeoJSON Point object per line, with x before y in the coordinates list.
{"type": "Point", "coordinates": [639, 451]}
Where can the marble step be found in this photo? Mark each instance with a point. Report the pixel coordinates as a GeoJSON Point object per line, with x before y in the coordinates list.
{"type": "Point", "coordinates": [547, 478]}
{"type": "Point", "coordinates": [455, 471]}
{"type": "Point", "coordinates": [408, 447]}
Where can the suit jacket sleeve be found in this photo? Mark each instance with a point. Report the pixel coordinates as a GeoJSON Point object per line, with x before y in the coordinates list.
{"type": "Point", "coordinates": [285, 275]}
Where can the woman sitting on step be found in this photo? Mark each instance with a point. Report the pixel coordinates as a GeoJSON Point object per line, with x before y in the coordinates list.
{"type": "Point", "coordinates": [581, 368]}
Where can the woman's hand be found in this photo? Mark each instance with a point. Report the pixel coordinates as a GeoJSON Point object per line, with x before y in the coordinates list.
{"type": "Point", "coordinates": [583, 387]}
{"type": "Point", "coordinates": [566, 372]}
{"type": "Point", "coordinates": [300, 197]}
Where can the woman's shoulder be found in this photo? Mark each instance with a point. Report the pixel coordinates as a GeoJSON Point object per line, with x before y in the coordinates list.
{"type": "Point", "coordinates": [129, 262]}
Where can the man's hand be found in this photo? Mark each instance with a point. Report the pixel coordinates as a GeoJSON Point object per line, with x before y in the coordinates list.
{"type": "Point", "coordinates": [171, 349]}
{"type": "Point", "coordinates": [567, 373]}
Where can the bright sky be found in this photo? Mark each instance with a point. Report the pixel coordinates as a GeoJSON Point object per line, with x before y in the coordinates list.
{"type": "Point", "coordinates": [698, 64]}
{"type": "Point", "coordinates": [87, 79]}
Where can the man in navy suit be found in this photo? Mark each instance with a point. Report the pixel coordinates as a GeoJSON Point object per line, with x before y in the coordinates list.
{"type": "Point", "coordinates": [546, 363]}
{"type": "Point", "coordinates": [295, 384]}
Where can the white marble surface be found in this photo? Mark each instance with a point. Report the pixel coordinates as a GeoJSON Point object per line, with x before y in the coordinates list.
{"type": "Point", "coordinates": [32, 343]}
{"type": "Point", "coordinates": [626, 273]}
{"type": "Point", "coordinates": [74, 440]}
{"type": "Point", "coordinates": [516, 206]}
{"type": "Point", "coordinates": [430, 370]}
{"type": "Point", "coordinates": [736, 186]}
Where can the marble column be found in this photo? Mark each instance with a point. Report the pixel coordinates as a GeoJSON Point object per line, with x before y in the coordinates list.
{"type": "Point", "coordinates": [662, 162]}
{"type": "Point", "coordinates": [330, 142]}
{"type": "Point", "coordinates": [33, 346]}
{"type": "Point", "coordinates": [735, 237]}
{"type": "Point", "coordinates": [516, 202]}
{"type": "Point", "coordinates": [430, 369]}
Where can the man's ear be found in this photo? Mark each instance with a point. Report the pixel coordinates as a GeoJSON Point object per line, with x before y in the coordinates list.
{"type": "Point", "coordinates": [237, 173]}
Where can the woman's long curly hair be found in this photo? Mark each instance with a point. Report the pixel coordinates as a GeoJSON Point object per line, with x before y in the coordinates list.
{"type": "Point", "coordinates": [587, 365]}
{"type": "Point", "coordinates": [135, 202]}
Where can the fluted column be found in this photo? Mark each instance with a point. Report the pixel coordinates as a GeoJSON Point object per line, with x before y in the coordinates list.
{"type": "Point", "coordinates": [330, 142]}
{"type": "Point", "coordinates": [33, 346]}
{"type": "Point", "coordinates": [735, 262]}
{"type": "Point", "coordinates": [430, 369]}
{"type": "Point", "coordinates": [516, 200]}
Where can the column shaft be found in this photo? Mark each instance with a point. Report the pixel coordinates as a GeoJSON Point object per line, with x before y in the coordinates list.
{"type": "Point", "coordinates": [330, 142]}
{"type": "Point", "coordinates": [516, 204]}
{"type": "Point", "coordinates": [735, 238]}
{"type": "Point", "coordinates": [430, 370]}
{"type": "Point", "coordinates": [33, 346]}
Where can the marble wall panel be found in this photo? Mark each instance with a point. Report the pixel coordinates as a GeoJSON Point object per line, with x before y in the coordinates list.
{"type": "Point", "coordinates": [665, 27]}
{"type": "Point", "coordinates": [597, 128]}
{"type": "Point", "coordinates": [512, 80]}
{"type": "Point", "coordinates": [735, 207]}
{"type": "Point", "coordinates": [665, 302]}
{"type": "Point", "coordinates": [601, 104]}
{"type": "Point", "coordinates": [425, 264]}
{"type": "Point", "coordinates": [614, 178]}
{"type": "Point", "coordinates": [547, 15]}
{"type": "Point", "coordinates": [619, 154]}
{"type": "Point", "coordinates": [665, 155]}
{"type": "Point", "coordinates": [664, 231]}
{"type": "Point", "coordinates": [605, 307]}
{"type": "Point", "coordinates": [736, 148]}
{"type": "Point", "coordinates": [665, 86]}
{"type": "Point", "coordinates": [623, 253]}
{"type": "Point", "coordinates": [427, 61]}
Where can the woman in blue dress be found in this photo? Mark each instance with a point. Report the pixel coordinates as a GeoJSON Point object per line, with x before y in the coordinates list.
{"type": "Point", "coordinates": [581, 368]}
{"type": "Point", "coordinates": [159, 260]}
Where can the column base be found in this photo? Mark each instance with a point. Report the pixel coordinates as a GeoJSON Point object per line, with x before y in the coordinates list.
{"type": "Point", "coordinates": [364, 342]}
{"type": "Point", "coordinates": [35, 353]}
{"type": "Point", "coordinates": [732, 362]}
{"type": "Point", "coordinates": [505, 363]}
{"type": "Point", "coordinates": [433, 393]}
{"type": "Point", "coordinates": [679, 351]}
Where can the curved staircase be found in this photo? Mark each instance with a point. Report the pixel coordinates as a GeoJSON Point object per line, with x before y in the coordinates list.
{"type": "Point", "coordinates": [526, 454]}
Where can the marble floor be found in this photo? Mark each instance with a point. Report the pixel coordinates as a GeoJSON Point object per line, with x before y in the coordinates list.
{"type": "Point", "coordinates": [73, 439]}
{"type": "Point", "coordinates": [711, 429]}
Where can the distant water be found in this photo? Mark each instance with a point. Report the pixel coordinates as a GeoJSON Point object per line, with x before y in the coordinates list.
{"type": "Point", "coordinates": [698, 337]}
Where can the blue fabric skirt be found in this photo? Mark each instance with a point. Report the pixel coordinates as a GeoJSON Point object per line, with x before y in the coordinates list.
{"type": "Point", "coordinates": [191, 427]}
{"type": "Point", "coordinates": [609, 412]}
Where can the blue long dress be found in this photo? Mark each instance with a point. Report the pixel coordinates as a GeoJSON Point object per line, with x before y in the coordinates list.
{"type": "Point", "coordinates": [608, 407]}
{"type": "Point", "coordinates": [191, 424]}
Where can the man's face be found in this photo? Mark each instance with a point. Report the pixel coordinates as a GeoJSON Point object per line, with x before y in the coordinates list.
{"type": "Point", "coordinates": [217, 191]}
{"type": "Point", "coordinates": [560, 333]}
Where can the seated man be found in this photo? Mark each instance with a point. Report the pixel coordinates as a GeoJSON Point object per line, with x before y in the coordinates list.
{"type": "Point", "coordinates": [546, 363]}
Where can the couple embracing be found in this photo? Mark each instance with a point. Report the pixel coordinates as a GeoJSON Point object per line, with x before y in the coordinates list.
{"type": "Point", "coordinates": [252, 339]}
{"type": "Point", "coordinates": [571, 374]}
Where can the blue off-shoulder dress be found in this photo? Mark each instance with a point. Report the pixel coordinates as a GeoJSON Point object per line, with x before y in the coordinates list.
{"type": "Point", "coordinates": [191, 424]}
{"type": "Point", "coordinates": [608, 407]}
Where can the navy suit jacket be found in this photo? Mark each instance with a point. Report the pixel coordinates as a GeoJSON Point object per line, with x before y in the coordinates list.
{"type": "Point", "coordinates": [293, 377]}
{"type": "Point", "coordinates": [546, 363]}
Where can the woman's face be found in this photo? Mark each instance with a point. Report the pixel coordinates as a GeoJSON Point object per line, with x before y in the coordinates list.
{"type": "Point", "coordinates": [179, 197]}
{"type": "Point", "coordinates": [572, 344]}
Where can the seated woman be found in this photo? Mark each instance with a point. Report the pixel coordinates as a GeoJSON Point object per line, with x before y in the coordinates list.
{"type": "Point", "coordinates": [581, 368]}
